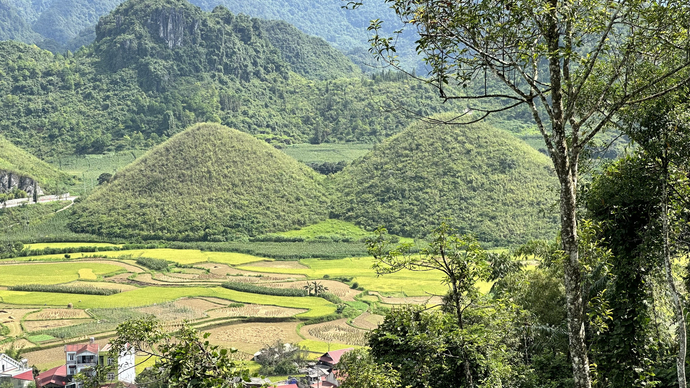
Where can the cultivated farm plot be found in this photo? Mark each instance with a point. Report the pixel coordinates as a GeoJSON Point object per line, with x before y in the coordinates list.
{"type": "Point", "coordinates": [199, 304]}
{"type": "Point", "coordinates": [281, 264]}
{"type": "Point", "coordinates": [12, 318]}
{"type": "Point", "coordinates": [234, 273]}
{"type": "Point", "coordinates": [53, 314]}
{"type": "Point", "coordinates": [254, 310]}
{"type": "Point", "coordinates": [421, 300]}
{"type": "Point", "coordinates": [368, 321]}
{"type": "Point", "coordinates": [172, 312]}
{"type": "Point", "coordinates": [335, 331]}
{"type": "Point", "coordinates": [51, 273]}
{"type": "Point", "coordinates": [149, 295]}
{"type": "Point", "coordinates": [251, 337]}
{"type": "Point", "coordinates": [359, 268]}
{"type": "Point", "coordinates": [32, 326]}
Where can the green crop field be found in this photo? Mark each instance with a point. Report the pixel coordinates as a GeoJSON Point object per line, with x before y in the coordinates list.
{"type": "Point", "coordinates": [181, 256]}
{"type": "Point", "coordinates": [147, 296]}
{"type": "Point", "coordinates": [327, 152]}
{"type": "Point", "coordinates": [89, 167]}
{"type": "Point", "coordinates": [11, 275]}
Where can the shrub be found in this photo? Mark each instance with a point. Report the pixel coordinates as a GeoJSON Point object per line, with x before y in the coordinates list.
{"type": "Point", "coordinates": [355, 285]}
{"type": "Point", "coordinates": [238, 305]}
{"type": "Point", "coordinates": [333, 298]}
{"type": "Point", "coordinates": [326, 276]}
{"type": "Point", "coordinates": [154, 264]}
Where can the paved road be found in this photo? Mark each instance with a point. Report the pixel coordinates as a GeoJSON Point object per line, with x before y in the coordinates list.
{"type": "Point", "coordinates": [42, 199]}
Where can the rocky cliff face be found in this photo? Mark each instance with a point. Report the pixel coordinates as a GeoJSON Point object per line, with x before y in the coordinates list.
{"type": "Point", "coordinates": [10, 181]}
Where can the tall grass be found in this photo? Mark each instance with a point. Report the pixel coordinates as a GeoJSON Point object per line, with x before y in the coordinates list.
{"type": "Point", "coordinates": [254, 289]}
{"type": "Point", "coordinates": [64, 289]}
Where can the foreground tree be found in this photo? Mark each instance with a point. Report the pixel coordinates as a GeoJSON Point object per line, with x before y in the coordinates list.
{"type": "Point", "coordinates": [459, 346]}
{"type": "Point", "coordinates": [182, 358]}
{"type": "Point", "coordinates": [575, 64]}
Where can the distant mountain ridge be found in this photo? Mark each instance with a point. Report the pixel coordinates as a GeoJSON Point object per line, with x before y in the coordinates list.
{"type": "Point", "coordinates": [58, 25]}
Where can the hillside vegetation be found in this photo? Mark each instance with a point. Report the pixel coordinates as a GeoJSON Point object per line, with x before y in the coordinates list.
{"type": "Point", "coordinates": [480, 179]}
{"type": "Point", "coordinates": [206, 183]}
{"type": "Point", "coordinates": [136, 86]}
{"type": "Point", "coordinates": [13, 159]}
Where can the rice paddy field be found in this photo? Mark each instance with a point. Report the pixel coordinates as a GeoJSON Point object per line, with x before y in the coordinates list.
{"type": "Point", "coordinates": [191, 290]}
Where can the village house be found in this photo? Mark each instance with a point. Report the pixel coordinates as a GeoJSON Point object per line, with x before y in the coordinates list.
{"type": "Point", "coordinates": [81, 358]}
{"type": "Point", "coordinates": [16, 372]}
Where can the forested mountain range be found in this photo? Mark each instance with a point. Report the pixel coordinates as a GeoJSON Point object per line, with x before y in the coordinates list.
{"type": "Point", "coordinates": [158, 67]}
{"type": "Point", "coordinates": [60, 25]}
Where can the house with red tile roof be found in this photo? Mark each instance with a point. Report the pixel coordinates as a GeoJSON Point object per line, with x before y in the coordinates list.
{"type": "Point", "coordinates": [332, 357]}
{"type": "Point", "coordinates": [16, 372]}
{"type": "Point", "coordinates": [54, 378]}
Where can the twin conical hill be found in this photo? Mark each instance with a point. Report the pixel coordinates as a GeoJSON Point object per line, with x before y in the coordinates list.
{"type": "Point", "coordinates": [479, 179]}
{"type": "Point", "coordinates": [209, 182]}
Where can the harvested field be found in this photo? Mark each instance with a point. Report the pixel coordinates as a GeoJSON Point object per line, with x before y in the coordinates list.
{"type": "Point", "coordinates": [335, 331]}
{"type": "Point", "coordinates": [428, 300]}
{"type": "Point", "coordinates": [175, 279]}
{"type": "Point", "coordinates": [183, 276]}
{"type": "Point", "coordinates": [280, 264]}
{"type": "Point", "coordinates": [342, 290]}
{"type": "Point", "coordinates": [172, 312]}
{"type": "Point", "coordinates": [31, 326]}
{"type": "Point", "coordinates": [254, 310]}
{"type": "Point", "coordinates": [199, 304]}
{"type": "Point", "coordinates": [250, 337]}
{"type": "Point", "coordinates": [368, 321]}
{"type": "Point", "coordinates": [107, 285]}
{"type": "Point", "coordinates": [224, 270]}
{"type": "Point", "coordinates": [22, 343]}
{"type": "Point", "coordinates": [148, 279]}
{"type": "Point", "coordinates": [11, 318]}
{"type": "Point", "coordinates": [53, 314]}
{"type": "Point", "coordinates": [121, 278]}
{"type": "Point", "coordinates": [220, 301]}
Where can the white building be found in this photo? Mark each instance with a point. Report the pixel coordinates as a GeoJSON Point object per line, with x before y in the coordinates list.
{"type": "Point", "coordinates": [17, 372]}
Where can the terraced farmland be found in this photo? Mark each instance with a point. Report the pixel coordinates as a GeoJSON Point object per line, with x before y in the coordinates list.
{"type": "Point", "coordinates": [190, 290]}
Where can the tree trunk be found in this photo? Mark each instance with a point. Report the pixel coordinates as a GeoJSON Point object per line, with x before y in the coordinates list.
{"type": "Point", "coordinates": [678, 307]}
{"type": "Point", "coordinates": [573, 281]}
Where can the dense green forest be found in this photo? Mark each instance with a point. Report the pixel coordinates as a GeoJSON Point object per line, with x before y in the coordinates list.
{"type": "Point", "coordinates": [135, 86]}
{"type": "Point", "coordinates": [206, 183]}
{"type": "Point", "coordinates": [477, 178]}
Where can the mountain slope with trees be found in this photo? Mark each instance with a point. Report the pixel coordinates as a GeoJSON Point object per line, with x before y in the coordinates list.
{"type": "Point", "coordinates": [478, 179]}
{"type": "Point", "coordinates": [135, 86]}
{"type": "Point", "coordinates": [209, 182]}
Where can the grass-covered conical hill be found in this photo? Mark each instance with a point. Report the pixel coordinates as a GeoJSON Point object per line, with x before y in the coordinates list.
{"type": "Point", "coordinates": [208, 182]}
{"type": "Point", "coordinates": [477, 178]}
{"type": "Point", "coordinates": [17, 161]}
